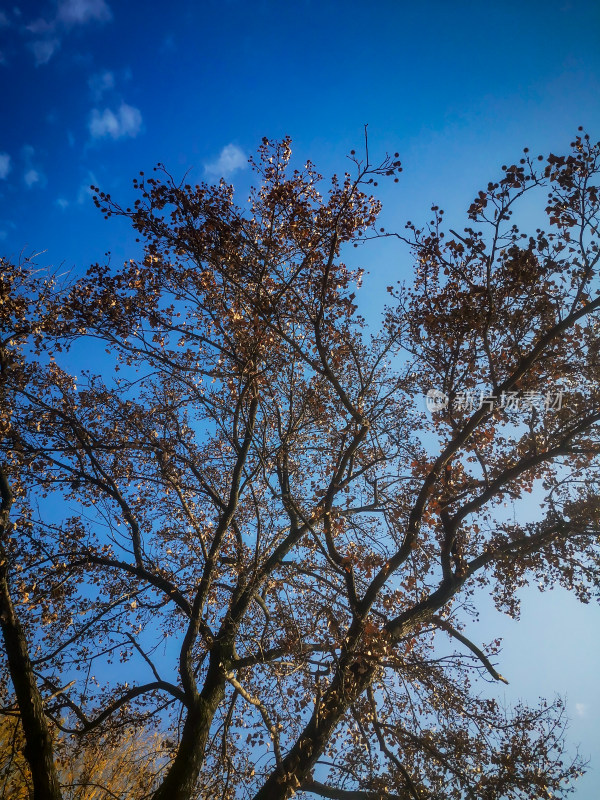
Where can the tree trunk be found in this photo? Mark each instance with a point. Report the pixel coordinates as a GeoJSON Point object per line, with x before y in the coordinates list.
{"type": "Point", "coordinates": [38, 749]}
{"type": "Point", "coordinates": [350, 682]}
{"type": "Point", "coordinates": [180, 781]}
{"type": "Point", "coordinates": [352, 679]}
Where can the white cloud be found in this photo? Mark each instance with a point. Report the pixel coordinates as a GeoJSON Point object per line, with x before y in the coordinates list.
{"type": "Point", "coordinates": [43, 50]}
{"type": "Point", "coordinates": [581, 709]}
{"type": "Point", "coordinates": [85, 193]}
{"type": "Point", "coordinates": [41, 27]}
{"type": "Point", "coordinates": [5, 166]}
{"type": "Point", "coordinates": [126, 121]}
{"type": "Point", "coordinates": [68, 14]}
{"type": "Point", "coordinates": [101, 82]}
{"type": "Point", "coordinates": [78, 12]}
{"type": "Point", "coordinates": [168, 44]}
{"type": "Point", "coordinates": [62, 203]}
{"type": "Point", "coordinates": [5, 226]}
{"type": "Point", "coordinates": [229, 161]}
{"type": "Point", "coordinates": [31, 177]}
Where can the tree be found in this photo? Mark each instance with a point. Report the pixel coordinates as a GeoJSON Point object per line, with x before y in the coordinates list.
{"type": "Point", "coordinates": [271, 534]}
{"type": "Point", "coordinates": [18, 294]}
{"type": "Point", "coordinates": [85, 772]}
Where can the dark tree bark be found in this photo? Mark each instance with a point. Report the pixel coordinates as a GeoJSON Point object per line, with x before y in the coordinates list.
{"type": "Point", "coordinates": [180, 782]}
{"type": "Point", "coordinates": [38, 750]}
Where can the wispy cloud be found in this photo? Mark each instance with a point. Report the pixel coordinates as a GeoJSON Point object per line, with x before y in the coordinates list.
{"type": "Point", "coordinates": [62, 203]}
{"type": "Point", "coordinates": [125, 121]}
{"type": "Point", "coordinates": [5, 226]}
{"type": "Point", "coordinates": [85, 192]}
{"type": "Point", "coordinates": [5, 165]}
{"type": "Point", "coordinates": [41, 27]}
{"type": "Point", "coordinates": [4, 23]}
{"type": "Point", "coordinates": [78, 12]}
{"type": "Point", "coordinates": [32, 175]}
{"type": "Point", "coordinates": [101, 82]}
{"type": "Point", "coordinates": [581, 709]}
{"type": "Point", "coordinates": [168, 44]}
{"type": "Point", "coordinates": [44, 49]}
{"type": "Point", "coordinates": [230, 160]}
{"type": "Point", "coordinates": [69, 13]}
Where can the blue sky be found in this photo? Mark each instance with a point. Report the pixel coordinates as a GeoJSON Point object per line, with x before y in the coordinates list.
{"type": "Point", "coordinates": [93, 91]}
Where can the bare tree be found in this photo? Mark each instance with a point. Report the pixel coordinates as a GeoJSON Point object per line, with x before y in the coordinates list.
{"type": "Point", "coordinates": [271, 533]}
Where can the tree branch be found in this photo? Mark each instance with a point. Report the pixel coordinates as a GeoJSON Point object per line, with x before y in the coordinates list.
{"type": "Point", "coordinates": [442, 623]}
{"type": "Point", "coordinates": [335, 793]}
